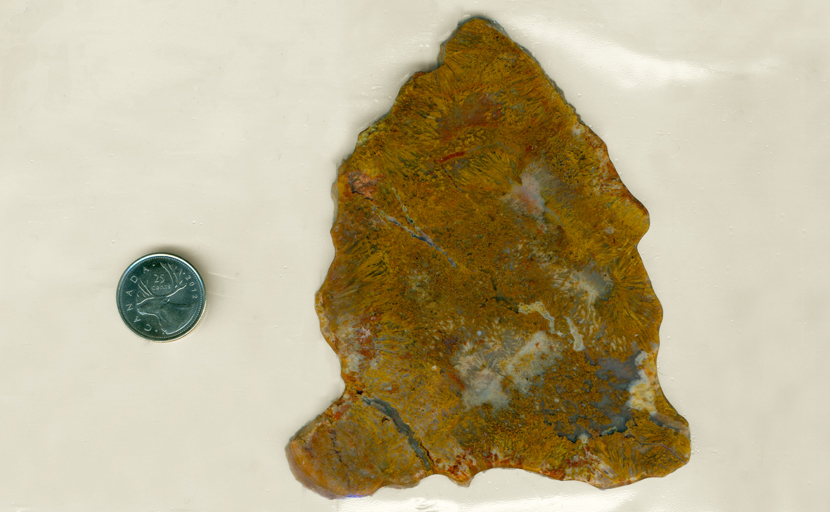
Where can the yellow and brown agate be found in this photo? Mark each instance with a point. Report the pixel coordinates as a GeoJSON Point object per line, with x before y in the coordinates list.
{"type": "Point", "coordinates": [486, 298]}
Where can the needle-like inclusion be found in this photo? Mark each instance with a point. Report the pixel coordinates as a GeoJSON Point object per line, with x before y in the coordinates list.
{"type": "Point", "coordinates": [486, 298]}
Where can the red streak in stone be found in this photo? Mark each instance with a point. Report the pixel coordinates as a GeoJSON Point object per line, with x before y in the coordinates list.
{"type": "Point", "coordinates": [450, 157]}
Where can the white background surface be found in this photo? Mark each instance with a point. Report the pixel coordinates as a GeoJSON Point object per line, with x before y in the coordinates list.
{"type": "Point", "coordinates": [213, 129]}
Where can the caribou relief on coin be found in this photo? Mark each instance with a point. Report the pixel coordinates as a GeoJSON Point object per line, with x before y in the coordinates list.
{"type": "Point", "coordinates": [164, 296]}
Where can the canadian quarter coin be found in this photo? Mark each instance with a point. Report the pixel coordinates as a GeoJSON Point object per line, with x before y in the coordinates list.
{"type": "Point", "coordinates": [161, 297]}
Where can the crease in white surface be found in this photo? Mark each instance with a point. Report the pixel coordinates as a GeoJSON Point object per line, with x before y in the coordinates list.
{"type": "Point", "coordinates": [599, 502]}
{"type": "Point", "coordinates": [632, 69]}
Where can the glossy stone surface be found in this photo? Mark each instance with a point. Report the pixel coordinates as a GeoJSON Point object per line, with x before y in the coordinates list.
{"type": "Point", "coordinates": [486, 298]}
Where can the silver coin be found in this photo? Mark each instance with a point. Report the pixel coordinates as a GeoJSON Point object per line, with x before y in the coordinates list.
{"type": "Point", "coordinates": [161, 297]}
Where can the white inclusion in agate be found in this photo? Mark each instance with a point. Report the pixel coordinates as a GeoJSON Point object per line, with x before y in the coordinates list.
{"type": "Point", "coordinates": [476, 365]}
{"type": "Point", "coordinates": [527, 197]}
{"type": "Point", "coordinates": [578, 343]}
{"type": "Point", "coordinates": [482, 386]}
{"type": "Point", "coordinates": [533, 359]}
{"type": "Point", "coordinates": [349, 334]}
{"type": "Point", "coordinates": [642, 390]}
{"type": "Point", "coordinates": [592, 284]}
{"type": "Point", "coordinates": [538, 307]}
{"type": "Point", "coordinates": [487, 366]}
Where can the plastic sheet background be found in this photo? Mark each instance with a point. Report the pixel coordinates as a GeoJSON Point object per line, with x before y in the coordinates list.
{"type": "Point", "coordinates": [213, 130]}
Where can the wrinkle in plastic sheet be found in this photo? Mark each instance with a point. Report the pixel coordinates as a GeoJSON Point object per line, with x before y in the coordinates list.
{"type": "Point", "coordinates": [213, 130]}
{"type": "Point", "coordinates": [630, 68]}
{"type": "Point", "coordinates": [594, 503]}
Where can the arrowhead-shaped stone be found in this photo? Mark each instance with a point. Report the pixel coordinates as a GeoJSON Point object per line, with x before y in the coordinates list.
{"type": "Point", "coordinates": [486, 298]}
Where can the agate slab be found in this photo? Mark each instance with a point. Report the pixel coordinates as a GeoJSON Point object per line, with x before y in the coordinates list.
{"type": "Point", "coordinates": [486, 297]}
